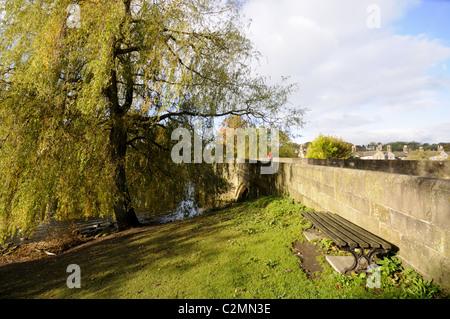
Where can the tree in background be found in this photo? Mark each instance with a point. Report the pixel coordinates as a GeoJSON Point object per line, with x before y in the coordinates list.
{"type": "Point", "coordinates": [87, 107]}
{"type": "Point", "coordinates": [329, 147]}
{"type": "Point", "coordinates": [288, 148]}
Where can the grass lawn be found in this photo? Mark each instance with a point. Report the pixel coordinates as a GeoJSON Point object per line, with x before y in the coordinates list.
{"type": "Point", "coordinates": [243, 251]}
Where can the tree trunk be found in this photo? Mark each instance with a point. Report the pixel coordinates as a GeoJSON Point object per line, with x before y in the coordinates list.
{"type": "Point", "coordinates": [123, 208]}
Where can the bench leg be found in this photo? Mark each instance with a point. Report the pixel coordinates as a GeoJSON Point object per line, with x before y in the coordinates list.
{"type": "Point", "coordinates": [355, 265]}
{"type": "Point", "coordinates": [362, 260]}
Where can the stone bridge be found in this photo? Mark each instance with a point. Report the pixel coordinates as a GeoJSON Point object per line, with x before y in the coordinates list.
{"type": "Point", "coordinates": [405, 202]}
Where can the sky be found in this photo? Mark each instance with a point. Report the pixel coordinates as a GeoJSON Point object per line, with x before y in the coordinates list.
{"type": "Point", "coordinates": [367, 70]}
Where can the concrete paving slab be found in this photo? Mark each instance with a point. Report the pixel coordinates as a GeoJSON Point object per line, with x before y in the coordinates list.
{"type": "Point", "coordinates": [311, 236]}
{"type": "Point", "coordinates": [340, 263]}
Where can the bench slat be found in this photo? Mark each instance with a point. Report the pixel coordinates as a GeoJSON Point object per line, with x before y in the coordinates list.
{"type": "Point", "coordinates": [335, 234]}
{"type": "Point", "coordinates": [349, 232]}
{"type": "Point", "coordinates": [339, 231]}
{"type": "Point", "coordinates": [322, 227]}
{"type": "Point", "coordinates": [370, 236]}
{"type": "Point", "coordinates": [355, 231]}
{"type": "Point", "coordinates": [348, 236]}
{"type": "Point", "coordinates": [345, 233]}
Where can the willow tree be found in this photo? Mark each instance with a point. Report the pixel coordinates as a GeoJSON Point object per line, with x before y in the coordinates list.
{"type": "Point", "coordinates": [90, 89]}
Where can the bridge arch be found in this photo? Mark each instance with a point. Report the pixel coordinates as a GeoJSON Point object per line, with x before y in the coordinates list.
{"type": "Point", "coordinates": [241, 192]}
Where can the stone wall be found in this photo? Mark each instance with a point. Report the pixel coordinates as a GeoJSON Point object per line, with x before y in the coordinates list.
{"type": "Point", "coordinates": [410, 211]}
{"type": "Point", "coordinates": [433, 169]}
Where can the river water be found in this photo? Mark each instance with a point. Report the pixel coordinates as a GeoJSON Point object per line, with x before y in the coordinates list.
{"type": "Point", "coordinates": [187, 208]}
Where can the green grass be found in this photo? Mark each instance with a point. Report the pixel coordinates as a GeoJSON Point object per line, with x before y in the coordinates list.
{"type": "Point", "coordinates": [244, 251]}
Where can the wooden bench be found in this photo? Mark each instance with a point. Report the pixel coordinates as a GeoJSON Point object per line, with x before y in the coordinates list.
{"type": "Point", "coordinates": [349, 237]}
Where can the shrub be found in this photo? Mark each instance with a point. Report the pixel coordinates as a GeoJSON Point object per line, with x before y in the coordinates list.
{"type": "Point", "coordinates": [329, 147]}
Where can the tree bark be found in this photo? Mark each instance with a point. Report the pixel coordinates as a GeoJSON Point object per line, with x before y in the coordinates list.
{"type": "Point", "coordinates": [123, 208]}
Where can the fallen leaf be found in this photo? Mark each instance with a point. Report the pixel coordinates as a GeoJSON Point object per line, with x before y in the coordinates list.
{"type": "Point", "coordinates": [157, 284]}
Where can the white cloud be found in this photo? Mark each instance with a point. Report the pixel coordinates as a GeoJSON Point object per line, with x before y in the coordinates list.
{"type": "Point", "coordinates": [358, 82]}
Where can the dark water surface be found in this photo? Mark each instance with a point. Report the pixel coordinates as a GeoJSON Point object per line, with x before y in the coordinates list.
{"type": "Point", "coordinates": [186, 209]}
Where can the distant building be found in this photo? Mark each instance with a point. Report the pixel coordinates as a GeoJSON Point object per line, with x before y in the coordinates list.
{"type": "Point", "coordinates": [379, 154]}
{"type": "Point", "coordinates": [301, 152]}
{"type": "Point", "coordinates": [442, 155]}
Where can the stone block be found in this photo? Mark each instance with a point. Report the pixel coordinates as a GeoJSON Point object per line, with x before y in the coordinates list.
{"type": "Point", "coordinates": [318, 174]}
{"type": "Point", "coordinates": [374, 183]}
{"type": "Point", "coordinates": [420, 231]}
{"type": "Point", "coordinates": [310, 236]}
{"type": "Point", "coordinates": [389, 234]}
{"type": "Point", "coordinates": [329, 177]}
{"type": "Point", "coordinates": [441, 203]}
{"type": "Point", "coordinates": [398, 221]}
{"type": "Point", "coordinates": [426, 261]}
{"type": "Point", "coordinates": [325, 189]}
{"type": "Point", "coordinates": [379, 212]}
{"type": "Point", "coordinates": [446, 245]}
{"type": "Point", "coordinates": [350, 181]}
{"type": "Point", "coordinates": [439, 241]}
{"type": "Point", "coordinates": [412, 195]}
{"type": "Point", "coordinates": [359, 203]}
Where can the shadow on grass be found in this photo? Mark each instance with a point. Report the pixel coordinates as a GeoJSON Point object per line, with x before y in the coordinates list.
{"type": "Point", "coordinates": [108, 264]}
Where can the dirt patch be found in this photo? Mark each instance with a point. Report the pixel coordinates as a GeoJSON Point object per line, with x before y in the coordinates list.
{"type": "Point", "coordinates": [33, 251]}
{"type": "Point", "coordinates": [308, 253]}
{"type": "Point", "coordinates": [36, 250]}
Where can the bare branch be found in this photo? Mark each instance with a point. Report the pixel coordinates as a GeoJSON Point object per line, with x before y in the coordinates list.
{"type": "Point", "coordinates": [130, 142]}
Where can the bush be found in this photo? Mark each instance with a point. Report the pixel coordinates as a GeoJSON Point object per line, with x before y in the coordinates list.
{"type": "Point", "coordinates": [329, 147]}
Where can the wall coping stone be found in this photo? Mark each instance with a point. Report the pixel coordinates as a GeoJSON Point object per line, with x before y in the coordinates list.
{"type": "Point", "coordinates": [431, 169]}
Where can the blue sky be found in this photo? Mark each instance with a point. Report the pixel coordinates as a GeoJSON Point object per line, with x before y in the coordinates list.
{"type": "Point", "coordinates": [430, 17]}
{"type": "Point", "coordinates": [363, 84]}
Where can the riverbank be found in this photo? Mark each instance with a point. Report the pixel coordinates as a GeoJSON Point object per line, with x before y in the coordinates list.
{"type": "Point", "coordinates": [250, 250]}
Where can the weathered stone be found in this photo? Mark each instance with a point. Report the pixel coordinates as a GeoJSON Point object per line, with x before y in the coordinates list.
{"type": "Point", "coordinates": [426, 261]}
{"type": "Point", "coordinates": [389, 234]}
{"type": "Point", "coordinates": [379, 212]}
